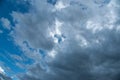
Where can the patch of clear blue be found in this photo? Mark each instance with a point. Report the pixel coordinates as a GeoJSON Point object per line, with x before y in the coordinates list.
{"type": "Point", "coordinates": [8, 6]}
{"type": "Point", "coordinates": [53, 2]}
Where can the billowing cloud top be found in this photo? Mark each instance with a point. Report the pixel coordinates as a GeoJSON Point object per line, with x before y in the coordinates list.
{"type": "Point", "coordinates": [69, 39]}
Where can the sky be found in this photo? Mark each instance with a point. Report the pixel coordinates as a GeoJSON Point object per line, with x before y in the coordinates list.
{"type": "Point", "coordinates": [59, 39]}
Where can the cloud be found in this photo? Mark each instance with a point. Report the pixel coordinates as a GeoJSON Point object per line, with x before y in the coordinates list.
{"type": "Point", "coordinates": [1, 70]}
{"type": "Point", "coordinates": [5, 23]}
{"type": "Point", "coordinates": [31, 25]}
{"type": "Point", "coordinates": [90, 49]}
{"type": "Point", "coordinates": [16, 57]}
{"type": "Point", "coordinates": [32, 31]}
{"type": "Point", "coordinates": [3, 76]}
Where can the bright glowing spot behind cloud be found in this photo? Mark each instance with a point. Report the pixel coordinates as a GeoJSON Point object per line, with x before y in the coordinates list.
{"type": "Point", "coordinates": [60, 5]}
{"type": "Point", "coordinates": [52, 53]}
{"type": "Point", "coordinates": [56, 31]}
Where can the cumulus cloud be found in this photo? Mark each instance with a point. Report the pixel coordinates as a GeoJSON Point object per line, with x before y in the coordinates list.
{"type": "Point", "coordinates": [90, 49]}
{"type": "Point", "coordinates": [32, 26]}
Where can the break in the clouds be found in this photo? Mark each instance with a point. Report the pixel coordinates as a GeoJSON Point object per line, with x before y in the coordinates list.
{"type": "Point", "coordinates": [68, 39]}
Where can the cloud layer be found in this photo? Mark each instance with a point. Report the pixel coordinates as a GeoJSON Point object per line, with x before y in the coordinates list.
{"type": "Point", "coordinates": [87, 34]}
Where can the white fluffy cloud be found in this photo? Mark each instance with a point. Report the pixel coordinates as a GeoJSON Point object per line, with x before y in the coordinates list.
{"type": "Point", "coordinates": [88, 31]}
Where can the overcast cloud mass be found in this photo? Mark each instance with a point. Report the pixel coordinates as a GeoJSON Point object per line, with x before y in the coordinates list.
{"type": "Point", "coordinates": [67, 40]}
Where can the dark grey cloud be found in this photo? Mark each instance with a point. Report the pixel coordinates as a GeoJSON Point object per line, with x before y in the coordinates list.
{"type": "Point", "coordinates": [90, 50]}
{"type": "Point", "coordinates": [94, 63]}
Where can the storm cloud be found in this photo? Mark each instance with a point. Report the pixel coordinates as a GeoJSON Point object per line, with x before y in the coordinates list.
{"type": "Point", "coordinates": [88, 34]}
